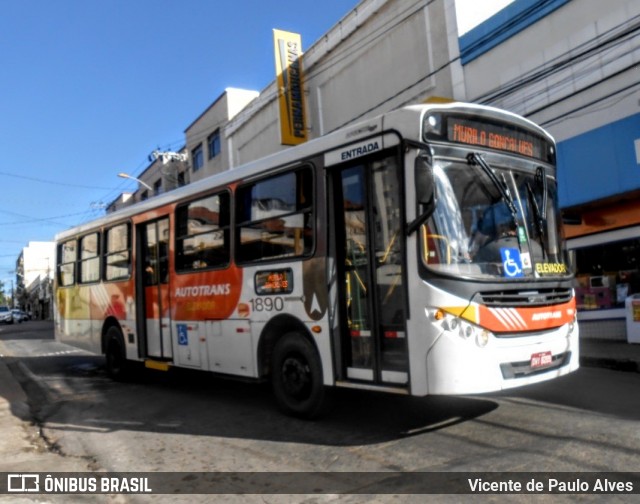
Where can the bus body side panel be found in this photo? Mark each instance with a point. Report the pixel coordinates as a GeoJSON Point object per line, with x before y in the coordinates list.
{"type": "Point", "coordinates": [202, 303]}
{"type": "Point", "coordinates": [74, 325]}
{"type": "Point", "coordinates": [302, 310]}
{"type": "Point", "coordinates": [221, 317]}
{"type": "Point", "coordinates": [83, 309]}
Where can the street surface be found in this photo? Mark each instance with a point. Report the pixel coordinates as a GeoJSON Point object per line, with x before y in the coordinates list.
{"type": "Point", "coordinates": [193, 422]}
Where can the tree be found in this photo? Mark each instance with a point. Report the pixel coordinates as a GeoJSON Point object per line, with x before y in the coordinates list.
{"type": "Point", "coordinates": [3, 297]}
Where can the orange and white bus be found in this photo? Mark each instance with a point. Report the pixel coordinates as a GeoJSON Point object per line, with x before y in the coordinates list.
{"type": "Point", "coordinates": [419, 252]}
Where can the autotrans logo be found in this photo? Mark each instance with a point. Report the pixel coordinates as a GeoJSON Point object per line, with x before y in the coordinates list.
{"type": "Point", "coordinates": [23, 483]}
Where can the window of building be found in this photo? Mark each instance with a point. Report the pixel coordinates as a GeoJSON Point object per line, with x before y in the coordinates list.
{"type": "Point", "coordinates": [117, 254]}
{"type": "Point", "coordinates": [202, 233]}
{"type": "Point", "coordinates": [67, 256]}
{"type": "Point", "coordinates": [213, 142]}
{"type": "Point", "coordinates": [197, 156]}
{"type": "Point", "coordinates": [89, 258]}
{"type": "Point", "coordinates": [274, 217]}
{"type": "Point", "coordinates": [157, 187]}
{"type": "Point", "coordinates": [607, 273]}
{"type": "Point", "coordinates": [144, 195]}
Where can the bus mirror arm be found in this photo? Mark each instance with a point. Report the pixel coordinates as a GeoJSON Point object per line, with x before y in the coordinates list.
{"type": "Point", "coordinates": [425, 192]}
{"type": "Point", "coordinates": [412, 227]}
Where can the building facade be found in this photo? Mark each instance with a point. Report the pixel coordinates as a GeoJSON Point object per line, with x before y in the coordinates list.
{"type": "Point", "coordinates": [204, 154]}
{"type": "Point", "coordinates": [574, 68]}
{"type": "Point", "coordinates": [206, 139]}
{"type": "Point", "coordinates": [382, 55]}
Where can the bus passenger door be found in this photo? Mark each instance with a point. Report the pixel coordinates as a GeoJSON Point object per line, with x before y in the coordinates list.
{"type": "Point", "coordinates": [370, 273]}
{"type": "Point", "coordinates": [153, 307]}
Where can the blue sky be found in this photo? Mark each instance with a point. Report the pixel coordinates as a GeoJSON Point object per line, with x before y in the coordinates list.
{"type": "Point", "coordinates": [89, 88]}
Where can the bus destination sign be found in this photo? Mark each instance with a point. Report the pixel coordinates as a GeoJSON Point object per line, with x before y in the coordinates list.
{"type": "Point", "coordinates": [274, 281]}
{"type": "Point", "coordinates": [494, 136]}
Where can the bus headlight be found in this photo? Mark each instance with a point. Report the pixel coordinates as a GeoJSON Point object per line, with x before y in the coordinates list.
{"type": "Point", "coordinates": [462, 328]}
{"type": "Point", "coordinates": [482, 338]}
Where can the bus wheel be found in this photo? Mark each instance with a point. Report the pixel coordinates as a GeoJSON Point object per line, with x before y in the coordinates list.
{"type": "Point", "coordinates": [296, 377]}
{"type": "Point", "coordinates": [117, 367]}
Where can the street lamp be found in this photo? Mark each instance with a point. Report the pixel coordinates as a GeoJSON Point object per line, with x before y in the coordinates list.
{"type": "Point", "coordinates": [127, 176]}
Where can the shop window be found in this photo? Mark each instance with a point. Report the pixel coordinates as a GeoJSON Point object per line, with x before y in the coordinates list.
{"type": "Point", "coordinates": [606, 274]}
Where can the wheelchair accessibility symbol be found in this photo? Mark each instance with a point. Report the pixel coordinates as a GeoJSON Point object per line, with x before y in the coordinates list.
{"type": "Point", "coordinates": [511, 262]}
{"type": "Point", "coordinates": [183, 334]}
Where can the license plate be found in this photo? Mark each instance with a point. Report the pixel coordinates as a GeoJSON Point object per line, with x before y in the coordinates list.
{"type": "Point", "coordinates": [541, 359]}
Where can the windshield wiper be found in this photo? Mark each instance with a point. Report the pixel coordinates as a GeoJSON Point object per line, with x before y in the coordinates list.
{"type": "Point", "coordinates": [541, 180]}
{"type": "Point", "coordinates": [475, 159]}
{"type": "Point", "coordinates": [540, 215]}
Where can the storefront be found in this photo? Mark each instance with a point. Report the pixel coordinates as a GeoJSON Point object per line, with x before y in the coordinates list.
{"type": "Point", "coordinates": [605, 250]}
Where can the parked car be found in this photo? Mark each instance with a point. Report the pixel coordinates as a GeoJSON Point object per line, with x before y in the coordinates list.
{"type": "Point", "coordinates": [20, 316]}
{"type": "Point", "coordinates": [6, 315]}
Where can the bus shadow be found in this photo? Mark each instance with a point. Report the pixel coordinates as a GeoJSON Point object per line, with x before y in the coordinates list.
{"type": "Point", "coordinates": [197, 403]}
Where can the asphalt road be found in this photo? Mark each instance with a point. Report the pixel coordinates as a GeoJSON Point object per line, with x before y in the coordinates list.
{"type": "Point", "coordinates": [194, 422]}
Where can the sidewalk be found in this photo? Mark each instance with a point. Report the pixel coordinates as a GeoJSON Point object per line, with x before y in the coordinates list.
{"type": "Point", "coordinates": [23, 449]}
{"type": "Point", "coordinates": [618, 355]}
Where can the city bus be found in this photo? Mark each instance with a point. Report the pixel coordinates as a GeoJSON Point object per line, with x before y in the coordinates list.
{"type": "Point", "coordinates": [419, 252]}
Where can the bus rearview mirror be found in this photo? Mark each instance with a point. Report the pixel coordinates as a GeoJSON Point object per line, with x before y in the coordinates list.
{"type": "Point", "coordinates": [425, 191]}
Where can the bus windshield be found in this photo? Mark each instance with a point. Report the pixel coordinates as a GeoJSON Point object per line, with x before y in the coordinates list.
{"type": "Point", "coordinates": [493, 222]}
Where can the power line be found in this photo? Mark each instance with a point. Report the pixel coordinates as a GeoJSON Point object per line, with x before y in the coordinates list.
{"type": "Point", "coordinates": [53, 182]}
{"type": "Point", "coordinates": [589, 104]}
{"type": "Point", "coordinates": [566, 60]}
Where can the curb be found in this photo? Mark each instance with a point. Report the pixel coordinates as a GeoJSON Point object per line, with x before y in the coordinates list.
{"type": "Point", "coordinates": [609, 363]}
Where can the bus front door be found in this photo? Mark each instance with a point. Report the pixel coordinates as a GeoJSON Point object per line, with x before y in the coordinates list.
{"type": "Point", "coordinates": [153, 289]}
{"type": "Point", "coordinates": [370, 272]}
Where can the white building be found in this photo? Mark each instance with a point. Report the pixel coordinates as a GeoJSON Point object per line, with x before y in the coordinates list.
{"type": "Point", "coordinates": [35, 269]}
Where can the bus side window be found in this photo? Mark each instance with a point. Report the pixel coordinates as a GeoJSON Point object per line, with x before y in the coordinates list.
{"type": "Point", "coordinates": [67, 256]}
{"type": "Point", "coordinates": [275, 217]}
{"type": "Point", "coordinates": [117, 255]}
{"type": "Point", "coordinates": [202, 233]}
{"type": "Point", "coordinates": [90, 258]}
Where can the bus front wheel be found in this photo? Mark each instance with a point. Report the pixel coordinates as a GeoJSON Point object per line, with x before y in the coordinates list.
{"type": "Point", "coordinates": [296, 377]}
{"type": "Point", "coordinates": [116, 360]}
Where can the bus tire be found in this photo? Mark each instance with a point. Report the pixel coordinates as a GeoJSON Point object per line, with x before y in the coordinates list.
{"type": "Point", "coordinates": [296, 377]}
{"type": "Point", "coordinates": [116, 360]}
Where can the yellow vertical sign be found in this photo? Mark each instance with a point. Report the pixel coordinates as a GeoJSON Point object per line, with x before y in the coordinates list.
{"type": "Point", "coordinates": [289, 77]}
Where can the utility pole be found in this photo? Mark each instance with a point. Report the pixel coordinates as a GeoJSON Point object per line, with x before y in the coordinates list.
{"type": "Point", "coordinates": [167, 156]}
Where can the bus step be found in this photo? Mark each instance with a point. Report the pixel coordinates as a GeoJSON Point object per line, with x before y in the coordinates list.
{"type": "Point", "coordinates": [157, 365]}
